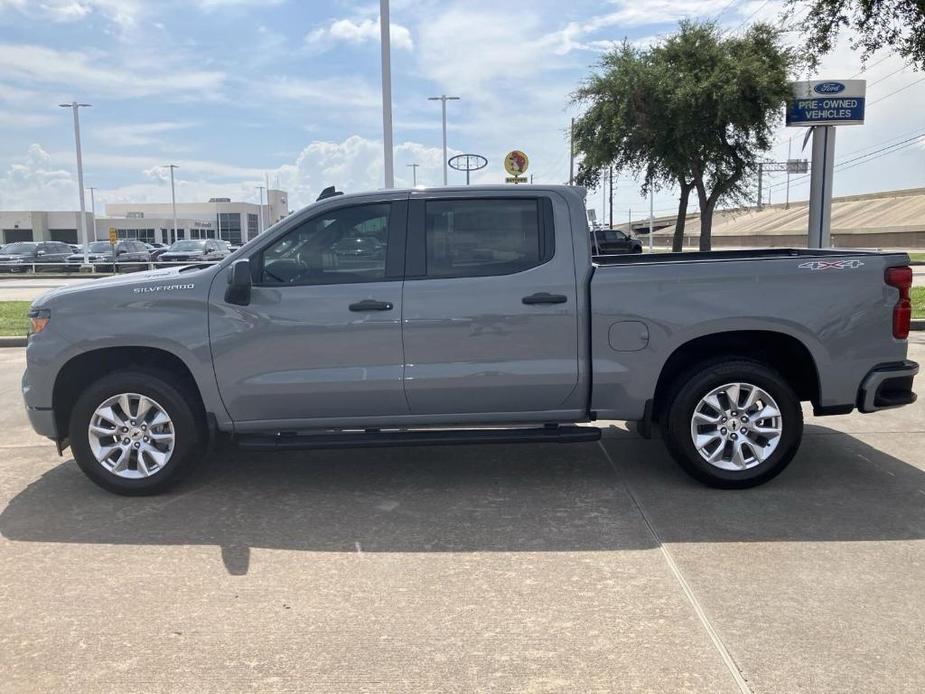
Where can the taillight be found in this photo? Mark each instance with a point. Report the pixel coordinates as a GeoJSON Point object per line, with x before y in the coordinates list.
{"type": "Point", "coordinates": [901, 278]}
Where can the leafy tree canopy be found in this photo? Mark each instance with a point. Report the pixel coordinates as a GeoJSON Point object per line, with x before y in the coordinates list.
{"type": "Point", "coordinates": [898, 25]}
{"type": "Point", "coordinates": [698, 108]}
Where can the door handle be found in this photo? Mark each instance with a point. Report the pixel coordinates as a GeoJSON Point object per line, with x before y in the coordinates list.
{"type": "Point", "coordinates": [371, 305]}
{"type": "Point", "coordinates": [545, 298]}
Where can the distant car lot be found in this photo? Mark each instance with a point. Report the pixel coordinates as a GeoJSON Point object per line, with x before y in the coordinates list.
{"type": "Point", "coordinates": [506, 568]}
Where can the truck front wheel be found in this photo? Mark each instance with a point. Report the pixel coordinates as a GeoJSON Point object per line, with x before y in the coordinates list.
{"type": "Point", "coordinates": [733, 424]}
{"type": "Point", "coordinates": [135, 432]}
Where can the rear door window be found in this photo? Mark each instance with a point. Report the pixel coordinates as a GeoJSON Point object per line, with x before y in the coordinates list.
{"type": "Point", "coordinates": [473, 238]}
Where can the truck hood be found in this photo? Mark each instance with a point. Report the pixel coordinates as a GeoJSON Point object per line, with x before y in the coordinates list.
{"type": "Point", "coordinates": [143, 282]}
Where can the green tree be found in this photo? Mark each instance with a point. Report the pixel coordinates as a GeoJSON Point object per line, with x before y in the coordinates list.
{"type": "Point", "coordinates": [697, 110]}
{"type": "Point", "coordinates": [625, 126]}
{"type": "Point", "coordinates": [898, 25]}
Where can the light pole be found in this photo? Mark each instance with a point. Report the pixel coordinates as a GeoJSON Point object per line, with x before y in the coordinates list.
{"type": "Point", "coordinates": [414, 174]}
{"type": "Point", "coordinates": [173, 198]}
{"type": "Point", "coordinates": [386, 93]}
{"type": "Point", "coordinates": [263, 224]}
{"type": "Point", "coordinates": [74, 106]}
{"type": "Point", "coordinates": [443, 98]}
{"type": "Point", "coordinates": [92, 208]}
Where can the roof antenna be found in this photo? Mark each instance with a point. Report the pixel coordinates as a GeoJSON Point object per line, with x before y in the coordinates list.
{"type": "Point", "coordinates": [328, 192]}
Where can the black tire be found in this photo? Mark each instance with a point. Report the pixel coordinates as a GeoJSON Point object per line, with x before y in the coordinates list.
{"type": "Point", "coordinates": [171, 394]}
{"type": "Point", "coordinates": [696, 384]}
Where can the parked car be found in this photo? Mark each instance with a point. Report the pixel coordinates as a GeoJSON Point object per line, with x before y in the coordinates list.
{"type": "Point", "coordinates": [20, 256]}
{"type": "Point", "coordinates": [100, 255]}
{"type": "Point", "coordinates": [486, 320]}
{"type": "Point", "coordinates": [156, 250]}
{"type": "Point", "coordinates": [613, 242]}
{"type": "Point", "coordinates": [229, 247]}
{"type": "Point", "coordinates": [194, 251]}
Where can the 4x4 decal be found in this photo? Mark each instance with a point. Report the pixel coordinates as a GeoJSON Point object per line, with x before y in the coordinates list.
{"type": "Point", "coordinates": [831, 265]}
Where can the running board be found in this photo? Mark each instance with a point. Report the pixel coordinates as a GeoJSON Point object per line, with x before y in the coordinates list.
{"type": "Point", "coordinates": [421, 437]}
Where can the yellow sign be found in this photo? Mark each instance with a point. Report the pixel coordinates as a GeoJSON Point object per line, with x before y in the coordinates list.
{"type": "Point", "coordinates": [516, 163]}
{"type": "Point", "coordinates": [113, 234]}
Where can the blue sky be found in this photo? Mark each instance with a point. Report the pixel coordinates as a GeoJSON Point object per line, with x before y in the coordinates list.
{"type": "Point", "coordinates": [230, 89]}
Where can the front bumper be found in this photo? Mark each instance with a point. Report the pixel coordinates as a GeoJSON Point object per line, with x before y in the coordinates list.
{"type": "Point", "coordinates": [887, 386]}
{"type": "Point", "coordinates": [43, 421]}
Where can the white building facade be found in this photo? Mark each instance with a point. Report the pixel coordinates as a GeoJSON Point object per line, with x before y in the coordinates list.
{"type": "Point", "coordinates": [236, 222]}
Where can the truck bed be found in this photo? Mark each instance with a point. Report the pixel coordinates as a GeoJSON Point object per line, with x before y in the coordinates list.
{"type": "Point", "coordinates": [718, 256]}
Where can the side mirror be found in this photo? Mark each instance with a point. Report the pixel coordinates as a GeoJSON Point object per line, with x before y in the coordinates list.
{"type": "Point", "coordinates": [239, 283]}
{"type": "Point", "coordinates": [40, 253]}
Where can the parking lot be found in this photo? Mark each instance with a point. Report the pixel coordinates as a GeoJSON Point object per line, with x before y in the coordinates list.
{"type": "Point", "coordinates": [533, 568]}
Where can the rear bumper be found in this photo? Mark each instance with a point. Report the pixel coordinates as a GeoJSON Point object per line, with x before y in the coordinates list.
{"type": "Point", "coordinates": [887, 386]}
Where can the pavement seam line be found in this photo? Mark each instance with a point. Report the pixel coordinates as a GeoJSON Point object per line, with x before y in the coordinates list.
{"type": "Point", "coordinates": [685, 586]}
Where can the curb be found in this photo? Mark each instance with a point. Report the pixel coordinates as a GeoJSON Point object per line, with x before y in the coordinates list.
{"type": "Point", "coordinates": [12, 341]}
{"type": "Point", "coordinates": [918, 324]}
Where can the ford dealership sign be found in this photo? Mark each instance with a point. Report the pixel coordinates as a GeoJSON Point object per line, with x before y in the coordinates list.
{"type": "Point", "coordinates": [829, 88]}
{"type": "Point", "coordinates": [827, 102]}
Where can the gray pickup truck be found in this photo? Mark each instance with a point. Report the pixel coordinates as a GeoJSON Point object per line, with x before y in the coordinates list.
{"type": "Point", "coordinates": [464, 315]}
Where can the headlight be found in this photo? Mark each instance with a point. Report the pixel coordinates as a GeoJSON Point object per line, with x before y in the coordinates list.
{"type": "Point", "coordinates": [39, 318]}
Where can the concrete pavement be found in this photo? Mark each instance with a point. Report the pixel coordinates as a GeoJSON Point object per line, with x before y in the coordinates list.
{"type": "Point", "coordinates": [475, 568]}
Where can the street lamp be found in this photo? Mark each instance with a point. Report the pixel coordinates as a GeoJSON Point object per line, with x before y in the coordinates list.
{"type": "Point", "coordinates": [443, 98]}
{"type": "Point", "coordinates": [173, 198]}
{"type": "Point", "coordinates": [384, 36]}
{"type": "Point", "coordinates": [74, 106]}
{"type": "Point", "coordinates": [414, 174]}
{"type": "Point", "coordinates": [263, 224]}
{"type": "Point", "coordinates": [92, 208]}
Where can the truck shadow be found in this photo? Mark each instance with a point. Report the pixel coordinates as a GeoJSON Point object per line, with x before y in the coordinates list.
{"type": "Point", "coordinates": [537, 498]}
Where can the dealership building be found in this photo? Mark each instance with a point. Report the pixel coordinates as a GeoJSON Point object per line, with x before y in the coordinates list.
{"type": "Point", "coordinates": [236, 222]}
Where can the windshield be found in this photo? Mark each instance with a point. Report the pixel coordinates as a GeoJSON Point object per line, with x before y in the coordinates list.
{"type": "Point", "coordinates": [100, 247]}
{"type": "Point", "coordinates": [188, 246]}
{"type": "Point", "coordinates": [22, 248]}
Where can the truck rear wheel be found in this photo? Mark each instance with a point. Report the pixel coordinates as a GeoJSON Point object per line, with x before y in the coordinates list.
{"type": "Point", "coordinates": [135, 432]}
{"type": "Point", "coordinates": [733, 424]}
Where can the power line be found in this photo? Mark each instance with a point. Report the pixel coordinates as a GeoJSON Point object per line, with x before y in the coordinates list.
{"type": "Point", "coordinates": [880, 79]}
{"type": "Point", "coordinates": [846, 164]}
{"type": "Point", "coordinates": [870, 67]}
{"type": "Point", "coordinates": [896, 91]}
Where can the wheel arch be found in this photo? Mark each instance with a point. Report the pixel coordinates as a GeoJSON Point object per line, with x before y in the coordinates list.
{"type": "Point", "coordinates": [782, 352]}
{"type": "Point", "coordinates": [83, 369]}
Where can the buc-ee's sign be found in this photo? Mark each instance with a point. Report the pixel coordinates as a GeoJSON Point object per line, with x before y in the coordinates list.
{"type": "Point", "coordinates": [827, 102]}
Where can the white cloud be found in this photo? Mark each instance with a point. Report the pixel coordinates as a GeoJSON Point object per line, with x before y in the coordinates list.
{"type": "Point", "coordinates": [124, 13]}
{"type": "Point", "coordinates": [98, 73]}
{"type": "Point", "coordinates": [358, 31]}
{"type": "Point", "coordinates": [46, 181]}
{"type": "Point", "coordinates": [131, 135]}
{"type": "Point", "coordinates": [35, 182]}
{"type": "Point", "coordinates": [225, 4]}
{"type": "Point", "coordinates": [340, 91]}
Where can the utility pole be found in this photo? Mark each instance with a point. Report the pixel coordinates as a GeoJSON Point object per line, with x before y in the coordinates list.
{"type": "Point", "coordinates": [266, 179]}
{"type": "Point", "coordinates": [760, 172]}
{"type": "Point", "coordinates": [384, 35]}
{"type": "Point", "coordinates": [651, 216]}
{"type": "Point", "coordinates": [443, 98]}
{"type": "Point", "coordinates": [92, 209]}
{"type": "Point", "coordinates": [263, 225]}
{"type": "Point", "coordinates": [611, 197]}
{"type": "Point", "coordinates": [787, 199]}
{"type": "Point", "coordinates": [173, 197]}
{"type": "Point", "coordinates": [571, 154]}
{"type": "Point", "coordinates": [74, 106]}
{"type": "Point", "coordinates": [414, 174]}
